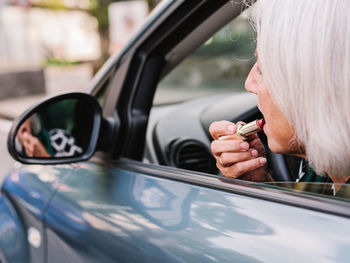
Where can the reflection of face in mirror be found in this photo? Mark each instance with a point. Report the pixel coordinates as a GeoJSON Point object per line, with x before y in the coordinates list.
{"type": "Point", "coordinates": [32, 147]}
{"type": "Point", "coordinates": [61, 129]}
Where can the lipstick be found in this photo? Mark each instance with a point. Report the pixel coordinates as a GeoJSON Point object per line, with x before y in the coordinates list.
{"type": "Point", "coordinates": [244, 130]}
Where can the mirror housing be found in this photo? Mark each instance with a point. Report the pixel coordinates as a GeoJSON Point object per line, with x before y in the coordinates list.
{"type": "Point", "coordinates": [60, 129]}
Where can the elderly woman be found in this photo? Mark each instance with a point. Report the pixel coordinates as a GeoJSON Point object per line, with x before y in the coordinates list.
{"type": "Point", "coordinates": [302, 81]}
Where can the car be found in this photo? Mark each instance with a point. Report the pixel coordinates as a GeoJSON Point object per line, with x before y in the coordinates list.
{"type": "Point", "coordinates": [113, 176]}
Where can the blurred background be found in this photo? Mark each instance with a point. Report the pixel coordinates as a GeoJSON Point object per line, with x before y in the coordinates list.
{"type": "Point", "coordinates": [55, 46]}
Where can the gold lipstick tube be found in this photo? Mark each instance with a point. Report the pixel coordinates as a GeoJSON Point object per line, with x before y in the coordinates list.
{"type": "Point", "coordinates": [243, 131]}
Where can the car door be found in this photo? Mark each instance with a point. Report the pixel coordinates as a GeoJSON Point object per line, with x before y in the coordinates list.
{"type": "Point", "coordinates": [117, 208]}
{"type": "Point", "coordinates": [135, 212]}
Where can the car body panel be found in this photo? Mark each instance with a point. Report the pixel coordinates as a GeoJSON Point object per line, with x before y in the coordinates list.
{"type": "Point", "coordinates": [12, 235]}
{"type": "Point", "coordinates": [30, 190]}
{"type": "Point", "coordinates": [114, 215]}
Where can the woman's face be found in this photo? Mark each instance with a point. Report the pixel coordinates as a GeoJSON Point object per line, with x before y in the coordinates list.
{"type": "Point", "coordinates": [277, 129]}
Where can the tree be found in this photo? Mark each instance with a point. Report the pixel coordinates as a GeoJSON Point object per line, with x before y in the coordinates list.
{"type": "Point", "coordinates": [99, 9]}
{"type": "Point", "coordinates": [152, 3]}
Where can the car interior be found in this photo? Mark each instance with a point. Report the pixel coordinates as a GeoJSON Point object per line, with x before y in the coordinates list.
{"type": "Point", "coordinates": [161, 93]}
{"type": "Point", "coordinates": [183, 89]}
{"type": "Point", "coordinates": [178, 131]}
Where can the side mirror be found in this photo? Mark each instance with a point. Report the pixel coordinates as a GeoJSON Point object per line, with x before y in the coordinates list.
{"type": "Point", "coordinates": [61, 129]}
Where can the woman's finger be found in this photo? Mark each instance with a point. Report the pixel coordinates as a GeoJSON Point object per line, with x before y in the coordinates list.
{"type": "Point", "coordinates": [256, 143]}
{"type": "Point", "coordinates": [220, 128]}
{"type": "Point", "coordinates": [238, 169]}
{"type": "Point", "coordinates": [218, 147]}
{"type": "Point", "coordinates": [228, 159]}
{"type": "Point", "coordinates": [29, 148]}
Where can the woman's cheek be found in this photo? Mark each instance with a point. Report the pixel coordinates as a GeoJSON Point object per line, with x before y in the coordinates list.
{"type": "Point", "coordinates": [273, 138]}
{"type": "Point", "coordinates": [274, 146]}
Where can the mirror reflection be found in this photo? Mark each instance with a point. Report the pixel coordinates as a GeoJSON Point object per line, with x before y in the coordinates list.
{"type": "Point", "coordinates": [58, 130]}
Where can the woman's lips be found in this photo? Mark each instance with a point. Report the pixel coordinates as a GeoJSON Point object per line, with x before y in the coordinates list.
{"type": "Point", "coordinates": [261, 123]}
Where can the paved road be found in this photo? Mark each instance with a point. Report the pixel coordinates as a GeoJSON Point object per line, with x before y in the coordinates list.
{"type": "Point", "coordinates": [6, 162]}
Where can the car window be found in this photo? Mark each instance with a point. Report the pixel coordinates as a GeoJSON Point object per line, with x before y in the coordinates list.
{"type": "Point", "coordinates": [177, 134]}
{"type": "Point", "coordinates": [220, 65]}
{"type": "Point", "coordinates": [101, 90]}
{"type": "Point", "coordinates": [101, 96]}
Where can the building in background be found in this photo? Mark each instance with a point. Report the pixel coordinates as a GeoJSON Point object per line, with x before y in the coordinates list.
{"type": "Point", "coordinates": [30, 38]}
{"type": "Point", "coordinates": [30, 35]}
{"type": "Point", "coordinates": [125, 19]}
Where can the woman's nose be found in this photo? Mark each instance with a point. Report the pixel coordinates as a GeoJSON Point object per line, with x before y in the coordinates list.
{"type": "Point", "coordinates": [250, 83]}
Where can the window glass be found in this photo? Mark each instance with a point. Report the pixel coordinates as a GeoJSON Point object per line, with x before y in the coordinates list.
{"type": "Point", "coordinates": [101, 96]}
{"type": "Point", "coordinates": [330, 190]}
{"type": "Point", "coordinates": [102, 91]}
{"type": "Point", "coordinates": [219, 66]}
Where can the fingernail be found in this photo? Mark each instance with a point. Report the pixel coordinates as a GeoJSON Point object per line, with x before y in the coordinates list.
{"type": "Point", "coordinates": [231, 128]}
{"type": "Point", "coordinates": [244, 145]}
{"type": "Point", "coordinates": [254, 153]}
{"type": "Point", "coordinates": [262, 160]}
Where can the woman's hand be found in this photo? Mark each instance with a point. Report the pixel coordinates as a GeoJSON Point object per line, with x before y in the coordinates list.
{"type": "Point", "coordinates": [236, 158]}
{"type": "Point", "coordinates": [32, 146]}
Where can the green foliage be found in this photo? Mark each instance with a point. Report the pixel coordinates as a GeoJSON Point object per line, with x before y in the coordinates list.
{"type": "Point", "coordinates": [99, 9]}
{"type": "Point", "coordinates": [52, 4]}
{"type": "Point", "coordinates": [152, 3]}
{"type": "Point", "coordinates": [222, 63]}
{"type": "Point", "coordinates": [59, 62]}
{"type": "Point", "coordinates": [239, 45]}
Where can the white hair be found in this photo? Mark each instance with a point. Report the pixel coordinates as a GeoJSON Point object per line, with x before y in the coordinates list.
{"type": "Point", "coordinates": [304, 56]}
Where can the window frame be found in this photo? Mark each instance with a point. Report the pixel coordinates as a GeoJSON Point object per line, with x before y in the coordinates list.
{"type": "Point", "coordinates": [126, 73]}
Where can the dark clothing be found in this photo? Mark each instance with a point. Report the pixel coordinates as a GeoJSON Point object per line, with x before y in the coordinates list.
{"type": "Point", "coordinates": [320, 184]}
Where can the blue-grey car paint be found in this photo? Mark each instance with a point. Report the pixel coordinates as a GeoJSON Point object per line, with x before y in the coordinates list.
{"type": "Point", "coordinates": [25, 196]}
{"type": "Point", "coordinates": [107, 214]}
{"type": "Point", "coordinates": [13, 245]}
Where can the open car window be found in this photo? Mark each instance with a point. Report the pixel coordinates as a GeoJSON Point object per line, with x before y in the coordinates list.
{"type": "Point", "coordinates": [219, 66]}
{"type": "Point", "coordinates": [210, 81]}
